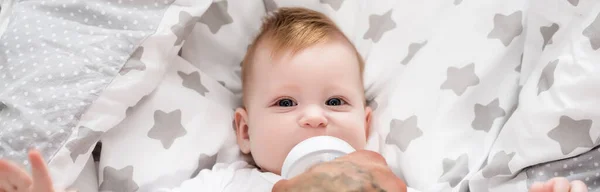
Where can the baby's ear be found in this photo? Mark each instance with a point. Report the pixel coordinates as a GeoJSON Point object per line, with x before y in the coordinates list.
{"type": "Point", "coordinates": [241, 130]}
{"type": "Point", "coordinates": [368, 114]}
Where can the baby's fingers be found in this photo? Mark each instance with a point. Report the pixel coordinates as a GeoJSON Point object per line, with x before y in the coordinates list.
{"type": "Point", "coordinates": [41, 176]}
{"type": "Point", "coordinates": [13, 178]}
{"type": "Point", "coordinates": [578, 186]}
{"type": "Point", "coordinates": [539, 187]}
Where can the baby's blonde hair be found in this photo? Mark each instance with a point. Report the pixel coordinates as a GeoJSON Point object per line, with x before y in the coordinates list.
{"type": "Point", "coordinates": [293, 29]}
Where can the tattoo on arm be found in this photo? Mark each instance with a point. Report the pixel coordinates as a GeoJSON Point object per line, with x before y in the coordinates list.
{"type": "Point", "coordinates": [351, 178]}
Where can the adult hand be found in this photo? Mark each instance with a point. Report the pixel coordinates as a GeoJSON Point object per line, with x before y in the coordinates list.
{"type": "Point", "coordinates": [359, 171]}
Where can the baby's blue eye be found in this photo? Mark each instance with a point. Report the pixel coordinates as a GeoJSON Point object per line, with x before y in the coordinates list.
{"type": "Point", "coordinates": [286, 103]}
{"type": "Point", "coordinates": [335, 102]}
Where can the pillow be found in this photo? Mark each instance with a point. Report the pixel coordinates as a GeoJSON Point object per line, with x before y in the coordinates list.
{"type": "Point", "coordinates": [57, 58]}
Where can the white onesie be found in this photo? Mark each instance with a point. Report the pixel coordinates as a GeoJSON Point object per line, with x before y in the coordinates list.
{"type": "Point", "coordinates": [235, 177]}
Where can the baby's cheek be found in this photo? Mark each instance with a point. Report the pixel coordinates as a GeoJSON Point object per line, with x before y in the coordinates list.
{"type": "Point", "coordinates": [269, 150]}
{"type": "Point", "coordinates": [356, 135]}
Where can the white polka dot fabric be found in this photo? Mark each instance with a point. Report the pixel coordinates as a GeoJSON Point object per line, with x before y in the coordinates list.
{"type": "Point", "coordinates": [56, 58]}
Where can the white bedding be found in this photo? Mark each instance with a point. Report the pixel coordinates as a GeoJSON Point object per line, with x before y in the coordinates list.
{"type": "Point", "coordinates": [486, 95]}
{"type": "Point", "coordinates": [88, 178]}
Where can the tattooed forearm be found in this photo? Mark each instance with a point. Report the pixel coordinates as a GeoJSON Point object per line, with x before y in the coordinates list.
{"type": "Point", "coordinates": [349, 178]}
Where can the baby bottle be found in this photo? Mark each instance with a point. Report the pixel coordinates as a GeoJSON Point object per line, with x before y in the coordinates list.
{"type": "Point", "coordinates": [313, 151]}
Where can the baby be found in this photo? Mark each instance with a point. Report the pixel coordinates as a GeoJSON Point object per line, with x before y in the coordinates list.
{"type": "Point", "coordinates": [301, 78]}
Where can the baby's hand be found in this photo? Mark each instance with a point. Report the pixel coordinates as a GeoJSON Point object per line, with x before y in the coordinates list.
{"type": "Point", "coordinates": [559, 184]}
{"type": "Point", "coordinates": [15, 179]}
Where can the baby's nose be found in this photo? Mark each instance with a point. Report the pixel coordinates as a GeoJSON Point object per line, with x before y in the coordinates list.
{"type": "Point", "coordinates": [314, 117]}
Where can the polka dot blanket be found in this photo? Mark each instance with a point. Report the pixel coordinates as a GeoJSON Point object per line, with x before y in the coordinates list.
{"type": "Point", "coordinates": [487, 95]}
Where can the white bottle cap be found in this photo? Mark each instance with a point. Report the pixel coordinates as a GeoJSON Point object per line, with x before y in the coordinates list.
{"type": "Point", "coordinates": [313, 151]}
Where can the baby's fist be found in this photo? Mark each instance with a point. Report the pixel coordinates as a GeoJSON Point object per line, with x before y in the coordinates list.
{"type": "Point", "coordinates": [559, 184]}
{"type": "Point", "coordinates": [15, 179]}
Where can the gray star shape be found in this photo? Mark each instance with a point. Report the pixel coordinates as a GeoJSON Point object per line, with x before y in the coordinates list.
{"type": "Point", "coordinates": [547, 33]}
{"type": "Point", "coordinates": [86, 140]}
{"type": "Point", "coordinates": [507, 27]}
{"type": "Point", "coordinates": [270, 5]}
{"type": "Point", "coordinates": [574, 2]}
{"type": "Point", "coordinates": [457, 2]}
{"type": "Point", "coordinates": [459, 79]}
{"type": "Point", "coordinates": [184, 27]}
{"type": "Point", "coordinates": [486, 114]}
{"type": "Point", "coordinates": [192, 81]}
{"type": "Point", "coordinates": [518, 68]}
{"type": "Point", "coordinates": [498, 165]}
{"type": "Point", "coordinates": [134, 62]}
{"type": "Point", "coordinates": [413, 48]}
{"type": "Point", "coordinates": [378, 25]}
{"type": "Point", "coordinates": [403, 132]}
{"type": "Point", "coordinates": [216, 16]}
{"type": "Point", "coordinates": [204, 162]}
{"type": "Point", "coordinates": [571, 134]}
{"type": "Point", "coordinates": [118, 180]}
{"type": "Point", "coordinates": [455, 170]}
{"type": "Point", "coordinates": [167, 127]}
{"type": "Point", "coordinates": [335, 4]}
{"type": "Point", "coordinates": [593, 33]}
{"type": "Point", "coordinates": [547, 77]}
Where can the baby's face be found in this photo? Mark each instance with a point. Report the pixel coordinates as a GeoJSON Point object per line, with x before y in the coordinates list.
{"type": "Point", "coordinates": [317, 91]}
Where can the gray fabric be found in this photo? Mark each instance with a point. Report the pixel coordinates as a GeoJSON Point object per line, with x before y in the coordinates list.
{"type": "Point", "coordinates": [56, 57]}
{"type": "Point", "coordinates": [583, 167]}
